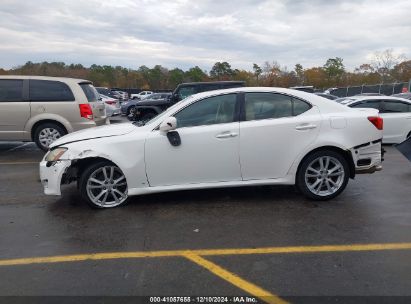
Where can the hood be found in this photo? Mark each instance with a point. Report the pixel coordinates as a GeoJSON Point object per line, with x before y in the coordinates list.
{"type": "Point", "coordinates": [96, 132]}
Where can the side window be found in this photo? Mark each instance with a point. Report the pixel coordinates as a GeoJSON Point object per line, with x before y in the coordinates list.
{"type": "Point", "coordinates": [11, 90]}
{"type": "Point", "coordinates": [373, 104]}
{"type": "Point", "coordinates": [395, 107]}
{"type": "Point", "coordinates": [299, 106]}
{"type": "Point", "coordinates": [186, 91]}
{"type": "Point", "coordinates": [209, 111]}
{"type": "Point", "coordinates": [267, 105]}
{"type": "Point", "coordinates": [47, 90]}
{"type": "Point", "coordinates": [208, 87]}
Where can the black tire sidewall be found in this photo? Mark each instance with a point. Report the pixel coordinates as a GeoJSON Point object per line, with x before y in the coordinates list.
{"type": "Point", "coordinates": [300, 180]}
{"type": "Point", "coordinates": [42, 126]}
{"type": "Point", "coordinates": [83, 183]}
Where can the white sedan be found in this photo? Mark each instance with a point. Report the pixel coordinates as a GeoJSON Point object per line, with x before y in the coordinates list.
{"type": "Point", "coordinates": [395, 111]}
{"type": "Point", "coordinates": [225, 138]}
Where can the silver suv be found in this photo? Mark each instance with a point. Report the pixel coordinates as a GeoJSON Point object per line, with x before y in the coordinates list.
{"type": "Point", "coordinates": [42, 109]}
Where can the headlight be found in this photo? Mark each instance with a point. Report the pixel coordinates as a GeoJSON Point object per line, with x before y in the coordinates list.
{"type": "Point", "coordinates": [55, 154]}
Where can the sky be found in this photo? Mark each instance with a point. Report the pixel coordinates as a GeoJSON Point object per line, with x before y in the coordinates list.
{"type": "Point", "coordinates": [186, 33]}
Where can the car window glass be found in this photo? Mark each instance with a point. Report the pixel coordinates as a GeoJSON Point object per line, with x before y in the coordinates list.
{"type": "Point", "coordinates": [90, 92]}
{"type": "Point", "coordinates": [11, 90]}
{"type": "Point", "coordinates": [373, 104]}
{"type": "Point", "coordinates": [208, 87]}
{"type": "Point", "coordinates": [184, 92]}
{"type": "Point", "coordinates": [395, 107]}
{"type": "Point", "coordinates": [300, 106]}
{"type": "Point", "coordinates": [266, 106]}
{"type": "Point", "coordinates": [46, 90]}
{"type": "Point", "coordinates": [213, 110]}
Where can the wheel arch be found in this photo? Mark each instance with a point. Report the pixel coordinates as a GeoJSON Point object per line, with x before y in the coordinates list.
{"type": "Point", "coordinates": [345, 153]}
{"type": "Point", "coordinates": [44, 121]}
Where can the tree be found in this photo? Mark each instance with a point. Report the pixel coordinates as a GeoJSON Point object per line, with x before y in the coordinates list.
{"type": "Point", "coordinates": [175, 77]}
{"type": "Point", "coordinates": [402, 71]}
{"type": "Point", "coordinates": [299, 71]}
{"type": "Point", "coordinates": [257, 71]}
{"type": "Point", "coordinates": [221, 71]}
{"type": "Point", "coordinates": [383, 62]}
{"type": "Point", "coordinates": [195, 74]}
{"type": "Point", "coordinates": [334, 70]}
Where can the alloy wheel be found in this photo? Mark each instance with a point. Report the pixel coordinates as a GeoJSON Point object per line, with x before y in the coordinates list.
{"type": "Point", "coordinates": [107, 187]}
{"type": "Point", "coordinates": [47, 136]}
{"type": "Point", "coordinates": [324, 176]}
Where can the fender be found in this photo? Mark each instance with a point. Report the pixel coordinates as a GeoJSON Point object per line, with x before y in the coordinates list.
{"type": "Point", "coordinates": [47, 116]}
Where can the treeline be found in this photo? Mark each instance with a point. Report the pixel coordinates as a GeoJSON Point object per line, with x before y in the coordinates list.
{"type": "Point", "coordinates": [385, 67]}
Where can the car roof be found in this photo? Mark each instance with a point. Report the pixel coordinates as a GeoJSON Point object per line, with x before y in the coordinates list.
{"type": "Point", "coordinates": [364, 98]}
{"type": "Point", "coordinates": [63, 79]}
{"type": "Point", "coordinates": [326, 104]}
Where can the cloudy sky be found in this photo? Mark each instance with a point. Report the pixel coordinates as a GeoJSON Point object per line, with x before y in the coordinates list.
{"type": "Point", "coordinates": [184, 33]}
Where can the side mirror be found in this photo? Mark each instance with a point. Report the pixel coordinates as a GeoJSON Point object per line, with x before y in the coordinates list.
{"type": "Point", "coordinates": [169, 124]}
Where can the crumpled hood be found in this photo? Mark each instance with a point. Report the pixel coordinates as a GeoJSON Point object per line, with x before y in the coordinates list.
{"type": "Point", "coordinates": [96, 132]}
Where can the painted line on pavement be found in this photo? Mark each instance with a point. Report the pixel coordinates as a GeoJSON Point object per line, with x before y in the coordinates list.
{"type": "Point", "coordinates": [206, 252]}
{"type": "Point", "coordinates": [235, 280]}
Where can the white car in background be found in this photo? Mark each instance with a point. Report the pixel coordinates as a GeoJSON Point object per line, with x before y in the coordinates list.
{"type": "Point", "coordinates": [223, 138]}
{"type": "Point", "coordinates": [142, 95]}
{"type": "Point", "coordinates": [395, 111]}
{"type": "Point", "coordinates": [112, 105]}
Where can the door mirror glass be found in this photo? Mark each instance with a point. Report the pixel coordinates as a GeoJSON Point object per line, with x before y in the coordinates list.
{"type": "Point", "coordinates": [169, 124]}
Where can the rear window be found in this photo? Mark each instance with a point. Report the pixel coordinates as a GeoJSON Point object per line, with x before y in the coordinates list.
{"type": "Point", "coordinates": [11, 90]}
{"type": "Point", "coordinates": [396, 107]}
{"type": "Point", "coordinates": [49, 90]}
{"type": "Point", "coordinates": [90, 92]}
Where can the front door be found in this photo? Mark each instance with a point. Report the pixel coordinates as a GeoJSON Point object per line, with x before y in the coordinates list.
{"type": "Point", "coordinates": [208, 153]}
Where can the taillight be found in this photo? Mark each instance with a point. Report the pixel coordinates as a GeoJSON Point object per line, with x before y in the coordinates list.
{"type": "Point", "coordinates": [111, 102]}
{"type": "Point", "coordinates": [376, 121]}
{"type": "Point", "coordinates": [85, 111]}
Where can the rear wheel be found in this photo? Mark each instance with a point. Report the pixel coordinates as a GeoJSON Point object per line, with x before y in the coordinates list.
{"type": "Point", "coordinates": [103, 185]}
{"type": "Point", "coordinates": [47, 133]}
{"type": "Point", "coordinates": [323, 175]}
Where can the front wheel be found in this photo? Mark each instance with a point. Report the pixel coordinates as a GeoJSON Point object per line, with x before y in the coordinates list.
{"type": "Point", "coordinates": [103, 185]}
{"type": "Point", "coordinates": [323, 175]}
{"type": "Point", "coordinates": [46, 133]}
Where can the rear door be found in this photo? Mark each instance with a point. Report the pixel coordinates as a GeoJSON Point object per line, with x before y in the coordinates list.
{"type": "Point", "coordinates": [275, 129]}
{"type": "Point", "coordinates": [14, 109]}
{"type": "Point", "coordinates": [397, 120]}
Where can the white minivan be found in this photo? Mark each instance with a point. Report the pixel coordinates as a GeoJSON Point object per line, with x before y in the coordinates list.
{"type": "Point", "coordinates": [42, 109]}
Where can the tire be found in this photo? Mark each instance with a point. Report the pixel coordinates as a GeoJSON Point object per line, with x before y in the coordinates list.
{"type": "Point", "coordinates": [129, 110]}
{"type": "Point", "coordinates": [148, 116]}
{"type": "Point", "coordinates": [99, 189]}
{"type": "Point", "coordinates": [46, 133]}
{"type": "Point", "coordinates": [318, 179]}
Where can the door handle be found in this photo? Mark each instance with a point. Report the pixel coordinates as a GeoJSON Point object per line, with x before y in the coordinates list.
{"type": "Point", "coordinates": [226, 135]}
{"type": "Point", "coordinates": [305, 127]}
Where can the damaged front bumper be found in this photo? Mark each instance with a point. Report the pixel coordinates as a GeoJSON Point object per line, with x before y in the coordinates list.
{"type": "Point", "coordinates": [51, 174]}
{"type": "Point", "coordinates": [368, 157]}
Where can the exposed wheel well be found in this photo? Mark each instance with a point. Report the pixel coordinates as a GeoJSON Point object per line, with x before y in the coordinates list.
{"type": "Point", "coordinates": [346, 154]}
{"type": "Point", "coordinates": [78, 166]}
{"type": "Point", "coordinates": [37, 124]}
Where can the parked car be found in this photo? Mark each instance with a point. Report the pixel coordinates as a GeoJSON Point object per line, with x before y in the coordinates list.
{"type": "Point", "coordinates": [154, 99]}
{"type": "Point", "coordinates": [395, 111]}
{"type": "Point", "coordinates": [107, 92]}
{"type": "Point", "coordinates": [123, 95]}
{"type": "Point", "coordinates": [112, 105]}
{"type": "Point", "coordinates": [42, 109]}
{"type": "Point", "coordinates": [328, 96]}
{"type": "Point", "coordinates": [147, 109]}
{"type": "Point", "coordinates": [224, 138]}
{"type": "Point", "coordinates": [142, 95]}
{"type": "Point", "coordinates": [403, 95]}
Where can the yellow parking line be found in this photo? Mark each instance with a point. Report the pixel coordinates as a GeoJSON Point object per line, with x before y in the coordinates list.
{"type": "Point", "coordinates": [206, 252]}
{"type": "Point", "coordinates": [18, 163]}
{"type": "Point", "coordinates": [235, 280]}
